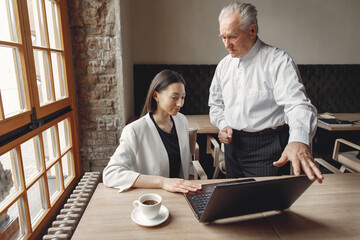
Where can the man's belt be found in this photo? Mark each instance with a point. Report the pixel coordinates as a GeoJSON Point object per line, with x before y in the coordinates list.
{"type": "Point", "coordinates": [262, 132]}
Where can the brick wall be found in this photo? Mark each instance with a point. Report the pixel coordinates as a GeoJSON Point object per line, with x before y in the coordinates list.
{"type": "Point", "coordinates": [95, 43]}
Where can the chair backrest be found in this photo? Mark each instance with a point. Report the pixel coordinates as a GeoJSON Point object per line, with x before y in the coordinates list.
{"type": "Point", "coordinates": [192, 139]}
{"type": "Point", "coordinates": [194, 150]}
{"type": "Point", "coordinates": [216, 150]}
{"type": "Point", "coordinates": [348, 159]}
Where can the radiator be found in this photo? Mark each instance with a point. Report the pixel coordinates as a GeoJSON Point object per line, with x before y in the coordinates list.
{"type": "Point", "coordinates": [64, 225]}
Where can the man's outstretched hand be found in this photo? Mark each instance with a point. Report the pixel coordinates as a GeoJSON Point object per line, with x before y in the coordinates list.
{"type": "Point", "coordinates": [300, 157]}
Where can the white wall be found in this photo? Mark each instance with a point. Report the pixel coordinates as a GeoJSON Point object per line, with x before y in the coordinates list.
{"type": "Point", "coordinates": [186, 31]}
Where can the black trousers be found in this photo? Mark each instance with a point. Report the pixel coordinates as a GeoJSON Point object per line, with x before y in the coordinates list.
{"type": "Point", "coordinates": [253, 156]}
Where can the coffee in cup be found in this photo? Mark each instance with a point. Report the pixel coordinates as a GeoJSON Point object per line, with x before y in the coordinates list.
{"type": "Point", "coordinates": [149, 205]}
{"type": "Point", "coordinates": [149, 202]}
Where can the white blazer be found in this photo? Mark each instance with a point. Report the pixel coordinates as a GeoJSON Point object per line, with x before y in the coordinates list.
{"type": "Point", "coordinates": [141, 151]}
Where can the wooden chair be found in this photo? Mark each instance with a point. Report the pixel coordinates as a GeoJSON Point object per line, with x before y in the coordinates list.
{"type": "Point", "coordinates": [348, 160]}
{"type": "Point", "coordinates": [194, 149]}
{"type": "Point", "coordinates": [217, 152]}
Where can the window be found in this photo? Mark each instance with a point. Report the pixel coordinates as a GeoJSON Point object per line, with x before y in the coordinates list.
{"type": "Point", "coordinates": [39, 160]}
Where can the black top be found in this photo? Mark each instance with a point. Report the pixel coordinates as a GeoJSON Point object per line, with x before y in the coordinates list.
{"type": "Point", "coordinates": [171, 143]}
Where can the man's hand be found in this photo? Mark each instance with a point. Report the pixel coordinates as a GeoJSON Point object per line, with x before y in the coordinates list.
{"type": "Point", "coordinates": [225, 135]}
{"type": "Point", "coordinates": [300, 156]}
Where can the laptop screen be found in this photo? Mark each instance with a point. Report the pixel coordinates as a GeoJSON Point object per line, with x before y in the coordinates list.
{"type": "Point", "coordinates": [231, 199]}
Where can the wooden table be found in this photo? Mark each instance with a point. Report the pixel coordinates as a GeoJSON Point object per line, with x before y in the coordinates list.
{"type": "Point", "coordinates": [202, 123]}
{"type": "Point", "coordinates": [343, 116]}
{"type": "Point", "coordinates": [330, 210]}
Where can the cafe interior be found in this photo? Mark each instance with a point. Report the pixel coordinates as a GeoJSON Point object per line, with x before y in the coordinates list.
{"type": "Point", "coordinates": [74, 73]}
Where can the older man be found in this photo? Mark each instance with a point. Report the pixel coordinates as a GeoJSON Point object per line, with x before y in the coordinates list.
{"type": "Point", "coordinates": [258, 102]}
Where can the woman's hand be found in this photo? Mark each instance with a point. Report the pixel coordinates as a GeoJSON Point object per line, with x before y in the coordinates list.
{"type": "Point", "coordinates": [179, 185]}
{"type": "Point", "coordinates": [168, 184]}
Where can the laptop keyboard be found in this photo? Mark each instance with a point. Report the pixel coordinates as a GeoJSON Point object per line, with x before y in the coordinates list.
{"type": "Point", "coordinates": [200, 201]}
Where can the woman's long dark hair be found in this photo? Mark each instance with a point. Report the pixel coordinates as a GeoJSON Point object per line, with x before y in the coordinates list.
{"type": "Point", "coordinates": [160, 82]}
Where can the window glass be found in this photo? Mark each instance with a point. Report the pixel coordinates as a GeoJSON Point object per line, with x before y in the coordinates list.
{"type": "Point", "coordinates": [52, 24]}
{"type": "Point", "coordinates": [11, 83]}
{"type": "Point", "coordinates": [9, 185]}
{"type": "Point", "coordinates": [50, 147]}
{"type": "Point", "coordinates": [7, 24]}
{"type": "Point", "coordinates": [53, 181]}
{"type": "Point", "coordinates": [58, 75]}
{"type": "Point", "coordinates": [31, 158]}
{"type": "Point", "coordinates": [36, 20]}
{"type": "Point", "coordinates": [43, 77]}
{"type": "Point", "coordinates": [64, 135]}
{"type": "Point", "coordinates": [36, 201]}
{"type": "Point", "coordinates": [66, 161]}
{"type": "Point", "coordinates": [11, 220]}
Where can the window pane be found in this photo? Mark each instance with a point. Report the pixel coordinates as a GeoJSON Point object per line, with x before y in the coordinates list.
{"type": "Point", "coordinates": [36, 201]}
{"type": "Point", "coordinates": [43, 77]}
{"type": "Point", "coordinates": [8, 184]}
{"type": "Point", "coordinates": [49, 140]}
{"type": "Point", "coordinates": [36, 20]}
{"type": "Point", "coordinates": [52, 23]}
{"type": "Point", "coordinates": [58, 73]}
{"type": "Point", "coordinates": [64, 135]}
{"type": "Point", "coordinates": [11, 82]}
{"type": "Point", "coordinates": [7, 24]}
{"type": "Point", "coordinates": [10, 223]}
{"type": "Point", "coordinates": [30, 153]}
{"type": "Point", "coordinates": [67, 167]}
{"type": "Point", "coordinates": [53, 181]}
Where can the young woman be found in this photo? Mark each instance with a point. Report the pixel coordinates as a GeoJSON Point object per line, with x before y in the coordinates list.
{"type": "Point", "coordinates": [154, 150]}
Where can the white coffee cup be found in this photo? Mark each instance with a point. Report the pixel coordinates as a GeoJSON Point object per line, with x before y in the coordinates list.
{"type": "Point", "coordinates": [149, 205]}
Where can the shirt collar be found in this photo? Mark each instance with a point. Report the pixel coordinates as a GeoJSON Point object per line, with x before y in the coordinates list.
{"type": "Point", "coordinates": [250, 55]}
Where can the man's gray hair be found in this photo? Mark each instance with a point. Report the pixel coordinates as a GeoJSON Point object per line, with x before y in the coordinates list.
{"type": "Point", "coordinates": [247, 13]}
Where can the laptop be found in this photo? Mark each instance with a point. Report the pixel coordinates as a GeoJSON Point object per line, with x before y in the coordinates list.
{"type": "Point", "coordinates": [245, 196]}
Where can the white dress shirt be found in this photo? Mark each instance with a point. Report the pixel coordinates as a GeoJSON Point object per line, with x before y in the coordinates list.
{"type": "Point", "coordinates": [141, 151]}
{"type": "Point", "coordinates": [261, 90]}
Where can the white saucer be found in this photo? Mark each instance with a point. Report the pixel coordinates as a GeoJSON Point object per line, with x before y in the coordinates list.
{"type": "Point", "coordinates": [138, 217]}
